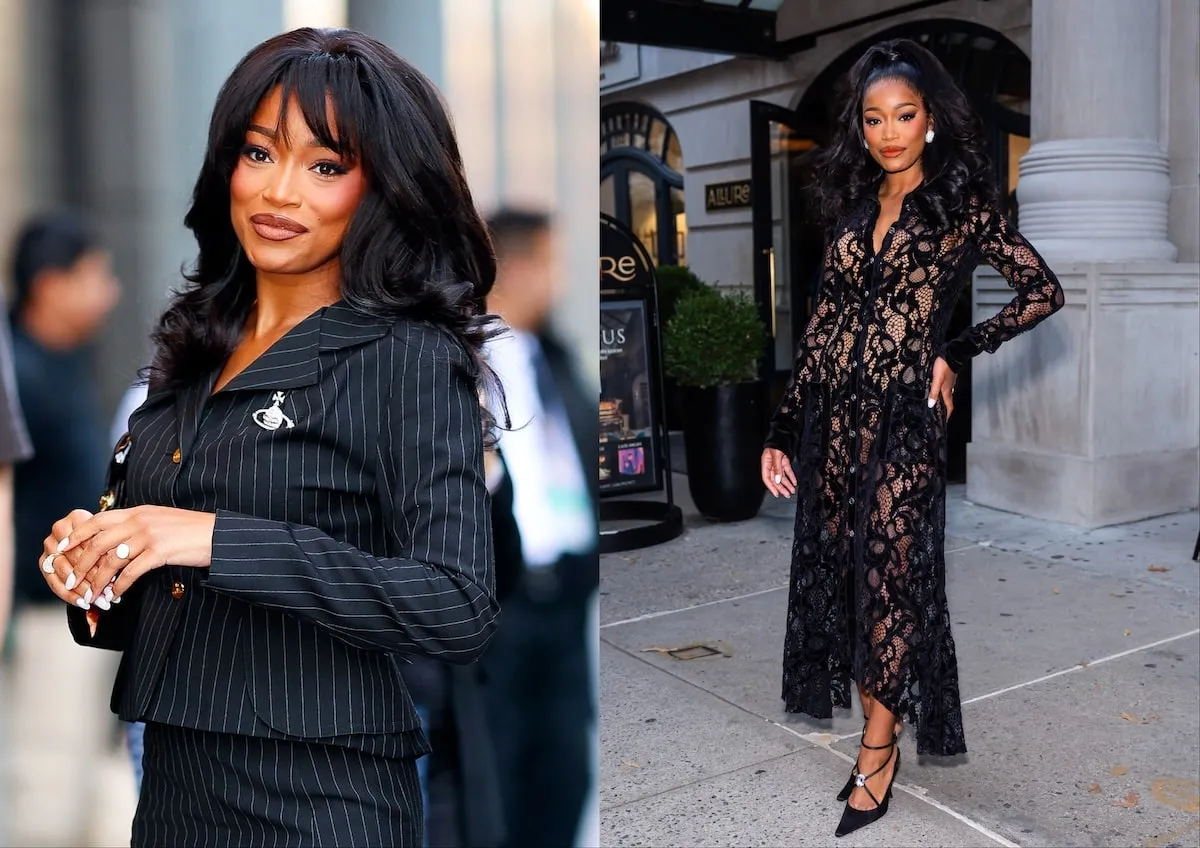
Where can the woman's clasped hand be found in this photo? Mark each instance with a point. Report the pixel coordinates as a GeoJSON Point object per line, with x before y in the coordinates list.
{"type": "Point", "coordinates": [94, 559]}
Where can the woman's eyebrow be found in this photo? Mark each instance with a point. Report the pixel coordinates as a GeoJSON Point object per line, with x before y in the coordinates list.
{"type": "Point", "coordinates": [880, 108]}
{"type": "Point", "coordinates": [313, 141]}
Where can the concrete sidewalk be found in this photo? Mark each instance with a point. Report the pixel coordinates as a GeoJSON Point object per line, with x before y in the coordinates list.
{"type": "Point", "coordinates": [1079, 656]}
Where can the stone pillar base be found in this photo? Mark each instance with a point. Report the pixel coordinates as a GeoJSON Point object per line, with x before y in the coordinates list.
{"type": "Point", "coordinates": [1079, 490]}
{"type": "Point", "coordinates": [1093, 418]}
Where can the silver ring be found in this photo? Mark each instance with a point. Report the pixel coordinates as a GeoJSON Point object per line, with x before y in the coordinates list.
{"type": "Point", "coordinates": [122, 551]}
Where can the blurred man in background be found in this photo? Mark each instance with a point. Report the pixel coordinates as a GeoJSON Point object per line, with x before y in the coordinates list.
{"type": "Point", "coordinates": [509, 762]}
{"type": "Point", "coordinates": [14, 447]}
{"type": "Point", "coordinates": [64, 290]}
{"type": "Point", "coordinates": [539, 698]}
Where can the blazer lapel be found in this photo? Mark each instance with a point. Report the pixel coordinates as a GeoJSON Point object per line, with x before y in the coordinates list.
{"type": "Point", "coordinates": [290, 363]}
{"type": "Point", "coordinates": [293, 362]}
{"type": "Point", "coordinates": [580, 409]}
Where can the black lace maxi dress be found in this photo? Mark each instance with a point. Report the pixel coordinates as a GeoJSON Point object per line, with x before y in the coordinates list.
{"type": "Point", "coordinates": [867, 589]}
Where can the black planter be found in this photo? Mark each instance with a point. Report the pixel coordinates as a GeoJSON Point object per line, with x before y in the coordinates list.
{"type": "Point", "coordinates": [672, 404]}
{"type": "Point", "coordinates": [723, 432]}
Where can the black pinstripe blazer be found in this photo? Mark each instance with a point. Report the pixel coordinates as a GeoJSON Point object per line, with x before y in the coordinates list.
{"type": "Point", "coordinates": [345, 468]}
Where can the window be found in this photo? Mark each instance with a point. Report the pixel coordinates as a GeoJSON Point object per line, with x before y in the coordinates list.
{"type": "Point", "coordinates": [641, 179]}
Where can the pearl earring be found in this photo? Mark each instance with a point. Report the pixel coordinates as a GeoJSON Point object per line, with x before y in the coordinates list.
{"type": "Point", "coordinates": [929, 137]}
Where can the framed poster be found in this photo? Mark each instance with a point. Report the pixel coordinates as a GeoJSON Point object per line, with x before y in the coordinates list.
{"type": "Point", "coordinates": [628, 435]}
{"type": "Point", "coordinates": [635, 453]}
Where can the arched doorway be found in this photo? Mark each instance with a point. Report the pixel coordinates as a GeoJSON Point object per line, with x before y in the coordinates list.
{"type": "Point", "coordinates": [788, 242]}
{"type": "Point", "coordinates": [641, 179]}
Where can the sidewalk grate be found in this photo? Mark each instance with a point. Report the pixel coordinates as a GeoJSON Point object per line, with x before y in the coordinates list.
{"type": "Point", "coordinates": [693, 652]}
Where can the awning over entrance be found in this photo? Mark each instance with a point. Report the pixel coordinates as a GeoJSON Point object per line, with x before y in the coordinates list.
{"type": "Point", "coordinates": [768, 29]}
{"type": "Point", "coordinates": [717, 26]}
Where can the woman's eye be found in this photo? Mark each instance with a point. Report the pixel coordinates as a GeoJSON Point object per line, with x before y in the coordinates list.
{"type": "Point", "coordinates": [255, 154]}
{"type": "Point", "coordinates": [908, 117]}
{"type": "Point", "coordinates": [872, 122]}
{"type": "Point", "coordinates": [329, 169]}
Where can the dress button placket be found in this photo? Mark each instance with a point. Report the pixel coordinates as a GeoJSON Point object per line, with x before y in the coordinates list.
{"type": "Point", "coordinates": [856, 374]}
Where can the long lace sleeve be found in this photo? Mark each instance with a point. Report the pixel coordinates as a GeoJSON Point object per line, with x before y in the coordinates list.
{"type": "Point", "coordinates": [821, 327]}
{"type": "Point", "coordinates": [1039, 294]}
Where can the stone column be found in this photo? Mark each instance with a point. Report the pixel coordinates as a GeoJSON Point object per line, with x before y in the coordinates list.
{"type": "Point", "coordinates": [414, 29]}
{"type": "Point", "coordinates": [23, 121]}
{"type": "Point", "coordinates": [577, 81]}
{"type": "Point", "coordinates": [1094, 417]}
{"type": "Point", "coordinates": [520, 78]}
{"type": "Point", "coordinates": [1095, 184]}
{"type": "Point", "coordinates": [149, 72]}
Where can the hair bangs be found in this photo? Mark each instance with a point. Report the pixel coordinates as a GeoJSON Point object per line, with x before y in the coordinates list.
{"type": "Point", "coordinates": [326, 89]}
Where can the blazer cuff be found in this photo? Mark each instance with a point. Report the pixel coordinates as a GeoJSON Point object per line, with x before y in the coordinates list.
{"type": "Point", "coordinates": [237, 568]}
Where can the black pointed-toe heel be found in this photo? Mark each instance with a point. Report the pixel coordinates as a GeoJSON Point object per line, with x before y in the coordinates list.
{"type": "Point", "coordinates": [853, 819]}
{"type": "Point", "coordinates": [849, 787]}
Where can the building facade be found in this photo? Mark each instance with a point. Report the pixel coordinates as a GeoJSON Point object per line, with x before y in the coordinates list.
{"type": "Point", "coordinates": [1089, 111]}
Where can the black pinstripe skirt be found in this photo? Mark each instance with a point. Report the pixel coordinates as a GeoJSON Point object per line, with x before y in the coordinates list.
{"type": "Point", "coordinates": [216, 789]}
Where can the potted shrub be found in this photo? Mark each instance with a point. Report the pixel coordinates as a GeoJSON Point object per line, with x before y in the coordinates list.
{"type": "Point", "coordinates": [673, 282]}
{"type": "Point", "coordinates": [712, 347]}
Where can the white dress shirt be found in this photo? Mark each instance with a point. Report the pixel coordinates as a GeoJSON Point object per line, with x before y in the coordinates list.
{"type": "Point", "coordinates": [550, 492]}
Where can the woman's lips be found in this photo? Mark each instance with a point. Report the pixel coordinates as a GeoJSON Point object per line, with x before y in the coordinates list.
{"type": "Point", "coordinates": [276, 227]}
{"type": "Point", "coordinates": [892, 152]}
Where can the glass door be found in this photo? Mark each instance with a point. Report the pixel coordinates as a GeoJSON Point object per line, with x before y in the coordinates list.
{"type": "Point", "coordinates": [788, 240]}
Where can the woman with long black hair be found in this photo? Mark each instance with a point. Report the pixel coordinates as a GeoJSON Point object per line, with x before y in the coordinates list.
{"type": "Point", "coordinates": [300, 503]}
{"type": "Point", "coordinates": [859, 436]}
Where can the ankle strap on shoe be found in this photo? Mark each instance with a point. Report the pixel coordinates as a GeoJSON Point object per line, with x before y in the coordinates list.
{"type": "Point", "coordinates": [861, 779]}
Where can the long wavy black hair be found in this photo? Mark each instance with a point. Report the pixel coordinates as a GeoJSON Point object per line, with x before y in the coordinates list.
{"type": "Point", "coordinates": [955, 166]}
{"type": "Point", "coordinates": [416, 246]}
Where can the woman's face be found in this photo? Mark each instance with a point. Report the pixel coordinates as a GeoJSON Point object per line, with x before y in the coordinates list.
{"type": "Point", "coordinates": [894, 124]}
{"type": "Point", "coordinates": [291, 201]}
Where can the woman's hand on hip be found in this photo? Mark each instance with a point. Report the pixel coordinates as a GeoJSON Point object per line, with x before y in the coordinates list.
{"type": "Point", "coordinates": [120, 545]}
{"type": "Point", "coordinates": [777, 474]}
{"type": "Point", "coordinates": [942, 386]}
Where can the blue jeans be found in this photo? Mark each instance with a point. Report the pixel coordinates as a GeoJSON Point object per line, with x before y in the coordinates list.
{"type": "Point", "coordinates": [134, 731]}
{"type": "Point", "coordinates": [423, 766]}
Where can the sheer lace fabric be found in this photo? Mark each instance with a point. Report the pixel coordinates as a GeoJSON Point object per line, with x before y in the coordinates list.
{"type": "Point", "coordinates": [867, 597]}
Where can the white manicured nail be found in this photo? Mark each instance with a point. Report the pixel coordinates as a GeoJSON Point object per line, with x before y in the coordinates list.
{"type": "Point", "coordinates": [71, 581]}
{"type": "Point", "coordinates": [932, 403]}
{"type": "Point", "coordinates": [108, 593]}
{"type": "Point", "coordinates": [103, 603]}
{"type": "Point", "coordinates": [778, 479]}
{"type": "Point", "coordinates": [62, 546]}
{"type": "Point", "coordinates": [116, 600]}
{"type": "Point", "coordinates": [87, 596]}
{"type": "Point", "coordinates": [82, 604]}
{"type": "Point", "coordinates": [48, 564]}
